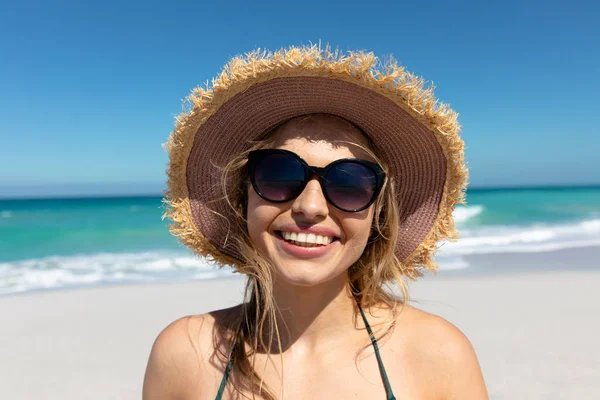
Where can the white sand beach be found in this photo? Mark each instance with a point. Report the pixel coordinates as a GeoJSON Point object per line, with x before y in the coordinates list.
{"type": "Point", "coordinates": [535, 332]}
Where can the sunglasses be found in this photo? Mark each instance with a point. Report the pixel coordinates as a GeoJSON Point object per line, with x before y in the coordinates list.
{"type": "Point", "coordinates": [349, 184]}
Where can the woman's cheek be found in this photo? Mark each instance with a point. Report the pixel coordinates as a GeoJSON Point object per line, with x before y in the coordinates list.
{"type": "Point", "coordinates": [357, 230]}
{"type": "Point", "coordinates": [259, 219]}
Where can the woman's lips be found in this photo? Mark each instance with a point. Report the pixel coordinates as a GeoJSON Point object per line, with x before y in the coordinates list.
{"type": "Point", "coordinates": [302, 251]}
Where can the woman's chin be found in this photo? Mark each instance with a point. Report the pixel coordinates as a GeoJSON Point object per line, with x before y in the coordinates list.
{"type": "Point", "coordinates": [300, 274]}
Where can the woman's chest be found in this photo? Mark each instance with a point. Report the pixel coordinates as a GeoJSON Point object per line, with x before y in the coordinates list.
{"type": "Point", "coordinates": [346, 375]}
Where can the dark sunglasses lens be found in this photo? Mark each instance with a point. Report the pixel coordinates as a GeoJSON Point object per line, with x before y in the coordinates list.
{"type": "Point", "coordinates": [350, 186]}
{"type": "Point", "coordinates": [279, 177]}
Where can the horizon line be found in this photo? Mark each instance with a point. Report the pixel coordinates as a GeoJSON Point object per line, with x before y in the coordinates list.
{"type": "Point", "coordinates": [152, 193]}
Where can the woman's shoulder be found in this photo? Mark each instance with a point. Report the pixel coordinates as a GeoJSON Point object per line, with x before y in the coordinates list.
{"type": "Point", "coordinates": [442, 350]}
{"type": "Point", "coordinates": [189, 354]}
{"type": "Point", "coordinates": [429, 332]}
{"type": "Point", "coordinates": [424, 324]}
{"type": "Point", "coordinates": [195, 334]}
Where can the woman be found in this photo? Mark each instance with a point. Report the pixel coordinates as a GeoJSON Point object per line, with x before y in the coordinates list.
{"type": "Point", "coordinates": [327, 182]}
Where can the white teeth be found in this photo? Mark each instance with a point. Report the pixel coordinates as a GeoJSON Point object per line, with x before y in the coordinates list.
{"type": "Point", "coordinates": [304, 239]}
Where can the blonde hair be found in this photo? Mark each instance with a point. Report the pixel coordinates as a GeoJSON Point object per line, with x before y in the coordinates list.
{"type": "Point", "coordinates": [368, 277]}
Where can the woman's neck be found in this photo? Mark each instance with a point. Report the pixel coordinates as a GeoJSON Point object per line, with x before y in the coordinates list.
{"type": "Point", "coordinates": [313, 316]}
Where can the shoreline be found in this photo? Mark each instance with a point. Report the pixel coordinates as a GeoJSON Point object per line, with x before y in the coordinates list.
{"type": "Point", "coordinates": [569, 259]}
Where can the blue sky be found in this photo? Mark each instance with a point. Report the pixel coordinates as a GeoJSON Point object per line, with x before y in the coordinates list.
{"type": "Point", "coordinates": [89, 90]}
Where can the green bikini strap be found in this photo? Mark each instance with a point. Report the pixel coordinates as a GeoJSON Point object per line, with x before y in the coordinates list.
{"type": "Point", "coordinates": [386, 382]}
{"type": "Point", "coordinates": [226, 374]}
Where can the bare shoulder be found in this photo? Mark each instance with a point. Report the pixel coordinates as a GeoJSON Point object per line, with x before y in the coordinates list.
{"type": "Point", "coordinates": [445, 352]}
{"type": "Point", "coordinates": [185, 357]}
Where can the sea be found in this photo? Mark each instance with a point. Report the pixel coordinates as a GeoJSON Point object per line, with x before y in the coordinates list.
{"type": "Point", "coordinates": [59, 243]}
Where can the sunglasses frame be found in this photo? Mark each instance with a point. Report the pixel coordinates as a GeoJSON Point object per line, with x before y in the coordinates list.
{"type": "Point", "coordinates": [254, 157]}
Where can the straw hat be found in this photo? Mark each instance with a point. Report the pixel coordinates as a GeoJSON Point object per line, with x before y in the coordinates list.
{"type": "Point", "coordinates": [416, 136]}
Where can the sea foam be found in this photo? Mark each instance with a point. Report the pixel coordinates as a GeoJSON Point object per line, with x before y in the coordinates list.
{"type": "Point", "coordinates": [526, 239]}
{"type": "Point", "coordinates": [463, 214]}
{"type": "Point", "coordinates": [85, 270]}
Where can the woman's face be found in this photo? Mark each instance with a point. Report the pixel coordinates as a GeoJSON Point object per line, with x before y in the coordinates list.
{"type": "Point", "coordinates": [319, 140]}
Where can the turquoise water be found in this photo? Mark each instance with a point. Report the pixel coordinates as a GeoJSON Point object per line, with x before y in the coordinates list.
{"type": "Point", "coordinates": [42, 227]}
{"type": "Point", "coordinates": [54, 243]}
{"type": "Point", "coordinates": [524, 207]}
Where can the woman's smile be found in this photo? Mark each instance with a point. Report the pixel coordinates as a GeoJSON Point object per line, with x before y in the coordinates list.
{"type": "Point", "coordinates": [304, 249]}
{"type": "Point", "coordinates": [306, 243]}
{"type": "Point", "coordinates": [306, 239]}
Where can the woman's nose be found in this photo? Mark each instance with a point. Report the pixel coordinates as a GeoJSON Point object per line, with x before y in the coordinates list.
{"type": "Point", "coordinates": [312, 202]}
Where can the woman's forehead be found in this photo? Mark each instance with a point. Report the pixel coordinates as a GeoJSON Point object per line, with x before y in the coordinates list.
{"type": "Point", "coordinates": [322, 131]}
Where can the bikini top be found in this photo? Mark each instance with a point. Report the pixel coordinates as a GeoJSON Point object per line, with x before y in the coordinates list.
{"type": "Point", "coordinates": [386, 382]}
